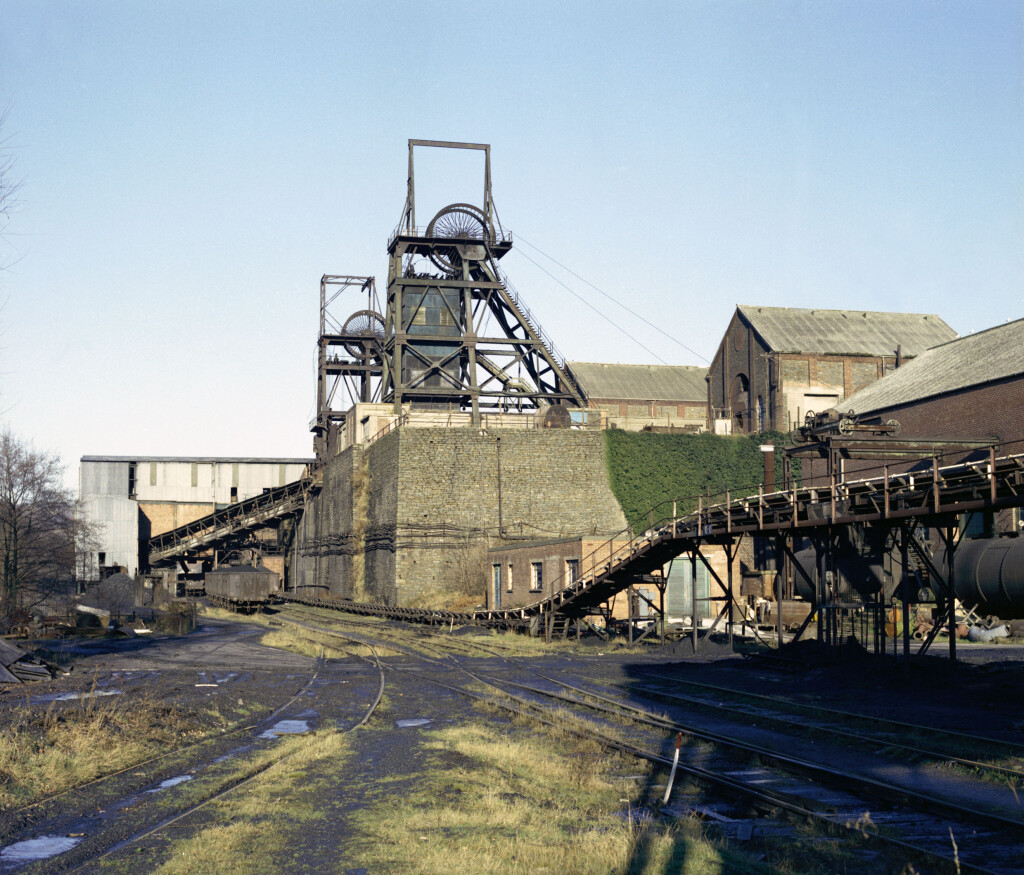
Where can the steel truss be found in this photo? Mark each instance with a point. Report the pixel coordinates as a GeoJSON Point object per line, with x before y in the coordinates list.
{"type": "Point", "coordinates": [458, 335]}
{"type": "Point", "coordinates": [231, 524]}
{"type": "Point", "coordinates": [350, 354]}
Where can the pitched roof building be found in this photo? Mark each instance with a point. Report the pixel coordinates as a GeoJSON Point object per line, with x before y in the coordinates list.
{"type": "Point", "coordinates": [776, 364]}
{"type": "Point", "coordinates": [639, 396]}
{"type": "Point", "coordinates": [968, 388]}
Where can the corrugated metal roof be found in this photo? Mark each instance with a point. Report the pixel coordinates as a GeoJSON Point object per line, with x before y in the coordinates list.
{"type": "Point", "coordinates": [641, 382]}
{"type": "Point", "coordinates": [846, 332]}
{"type": "Point", "coordinates": [993, 354]}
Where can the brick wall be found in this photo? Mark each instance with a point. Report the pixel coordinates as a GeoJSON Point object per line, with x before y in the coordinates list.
{"type": "Point", "coordinates": [431, 508]}
{"type": "Point", "coordinates": [984, 413]}
{"type": "Point", "coordinates": [163, 516]}
{"type": "Point", "coordinates": [990, 412]}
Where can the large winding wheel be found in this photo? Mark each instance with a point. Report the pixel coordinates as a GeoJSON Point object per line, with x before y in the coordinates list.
{"type": "Point", "coordinates": [466, 224]}
{"type": "Point", "coordinates": [359, 325]}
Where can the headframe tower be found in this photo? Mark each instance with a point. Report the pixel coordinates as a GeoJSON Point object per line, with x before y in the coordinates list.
{"type": "Point", "coordinates": [457, 336]}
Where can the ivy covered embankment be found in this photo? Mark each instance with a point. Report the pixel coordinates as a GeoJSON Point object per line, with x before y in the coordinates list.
{"type": "Point", "coordinates": [647, 469]}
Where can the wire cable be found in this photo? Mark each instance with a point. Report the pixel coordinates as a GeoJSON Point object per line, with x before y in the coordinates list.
{"type": "Point", "coordinates": [632, 312]}
{"type": "Point", "coordinates": [583, 300]}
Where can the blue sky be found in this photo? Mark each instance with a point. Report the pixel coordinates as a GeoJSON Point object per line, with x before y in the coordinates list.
{"type": "Point", "coordinates": [191, 169]}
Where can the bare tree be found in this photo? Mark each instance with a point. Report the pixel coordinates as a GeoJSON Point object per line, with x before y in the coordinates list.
{"type": "Point", "coordinates": [9, 185]}
{"type": "Point", "coordinates": [37, 525]}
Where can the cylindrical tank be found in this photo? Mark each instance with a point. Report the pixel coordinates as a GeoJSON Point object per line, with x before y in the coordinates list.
{"type": "Point", "coordinates": [989, 575]}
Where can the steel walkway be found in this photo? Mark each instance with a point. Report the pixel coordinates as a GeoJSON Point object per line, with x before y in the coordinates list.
{"type": "Point", "coordinates": [933, 495]}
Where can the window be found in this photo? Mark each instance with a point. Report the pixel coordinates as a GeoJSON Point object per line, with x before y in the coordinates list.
{"type": "Point", "coordinates": [536, 576]}
{"type": "Point", "coordinates": [508, 578]}
{"type": "Point", "coordinates": [496, 584]}
{"type": "Point", "coordinates": [572, 571]}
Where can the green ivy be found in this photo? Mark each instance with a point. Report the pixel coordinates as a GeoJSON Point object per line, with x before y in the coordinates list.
{"type": "Point", "coordinates": [650, 469]}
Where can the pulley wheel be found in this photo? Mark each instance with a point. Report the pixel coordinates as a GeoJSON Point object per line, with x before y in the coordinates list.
{"type": "Point", "coordinates": [462, 222]}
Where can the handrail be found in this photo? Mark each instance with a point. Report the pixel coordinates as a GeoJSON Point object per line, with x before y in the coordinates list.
{"type": "Point", "coordinates": [695, 524]}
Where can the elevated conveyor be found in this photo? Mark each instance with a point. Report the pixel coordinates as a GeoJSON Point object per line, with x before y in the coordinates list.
{"type": "Point", "coordinates": [934, 495]}
{"type": "Point", "coordinates": [230, 524]}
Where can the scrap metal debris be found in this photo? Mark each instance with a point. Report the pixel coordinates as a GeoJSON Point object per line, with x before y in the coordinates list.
{"type": "Point", "coordinates": [19, 666]}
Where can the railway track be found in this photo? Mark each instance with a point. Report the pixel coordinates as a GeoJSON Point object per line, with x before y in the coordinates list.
{"type": "Point", "coordinates": [739, 777]}
{"type": "Point", "coordinates": [155, 808]}
{"type": "Point", "coordinates": [943, 745]}
{"type": "Point", "coordinates": [466, 646]}
{"type": "Point", "coordinates": [948, 834]}
{"type": "Point", "coordinates": [836, 800]}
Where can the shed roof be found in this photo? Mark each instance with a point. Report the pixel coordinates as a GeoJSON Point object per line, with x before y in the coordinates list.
{"type": "Point", "coordinates": [641, 382]}
{"type": "Point", "coordinates": [993, 354]}
{"type": "Point", "coordinates": [846, 332]}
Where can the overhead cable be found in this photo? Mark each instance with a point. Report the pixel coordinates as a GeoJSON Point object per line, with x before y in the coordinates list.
{"type": "Point", "coordinates": [610, 321]}
{"type": "Point", "coordinates": [676, 341]}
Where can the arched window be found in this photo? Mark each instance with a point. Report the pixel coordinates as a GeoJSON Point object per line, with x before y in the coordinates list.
{"type": "Point", "coordinates": [760, 413]}
{"type": "Point", "coordinates": [739, 401]}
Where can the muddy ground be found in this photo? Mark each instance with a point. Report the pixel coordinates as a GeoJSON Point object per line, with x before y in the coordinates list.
{"type": "Point", "coordinates": [221, 673]}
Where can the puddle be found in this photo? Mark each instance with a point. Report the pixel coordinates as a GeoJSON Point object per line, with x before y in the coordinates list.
{"type": "Point", "coordinates": [232, 753]}
{"type": "Point", "coordinates": [287, 727]}
{"type": "Point", "coordinates": [171, 782]}
{"type": "Point", "coordinates": [416, 721]}
{"type": "Point", "coordinates": [37, 849]}
{"type": "Point", "coordinates": [67, 697]}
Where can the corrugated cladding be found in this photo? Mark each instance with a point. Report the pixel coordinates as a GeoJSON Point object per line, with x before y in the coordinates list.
{"type": "Point", "coordinates": [994, 354]}
{"type": "Point", "coordinates": [103, 478]}
{"type": "Point", "coordinates": [641, 382]}
{"type": "Point", "coordinates": [846, 332]}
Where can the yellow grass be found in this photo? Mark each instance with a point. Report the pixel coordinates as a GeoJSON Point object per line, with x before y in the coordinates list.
{"type": "Point", "coordinates": [46, 752]}
{"type": "Point", "coordinates": [251, 823]}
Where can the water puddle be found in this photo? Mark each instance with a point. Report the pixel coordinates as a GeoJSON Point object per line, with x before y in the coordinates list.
{"type": "Point", "coordinates": [67, 697]}
{"type": "Point", "coordinates": [232, 753]}
{"type": "Point", "coordinates": [287, 727]}
{"type": "Point", "coordinates": [171, 782]}
{"type": "Point", "coordinates": [408, 724]}
{"type": "Point", "coordinates": [37, 849]}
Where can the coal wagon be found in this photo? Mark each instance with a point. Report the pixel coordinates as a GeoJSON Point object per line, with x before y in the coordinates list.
{"type": "Point", "coordinates": [242, 588]}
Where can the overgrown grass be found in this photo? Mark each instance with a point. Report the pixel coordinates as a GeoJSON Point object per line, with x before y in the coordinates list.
{"type": "Point", "coordinates": [46, 752]}
{"type": "Point", "coordinates": [252, 824]}
{"type": "Point", "coordinates": [501, 800]}
{"type": "Point", "coordinates": [307, 642]}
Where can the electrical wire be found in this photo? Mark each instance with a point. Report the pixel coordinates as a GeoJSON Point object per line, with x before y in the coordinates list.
{"type": "Point", "coordinates": [583, 300]}
{"type": "Point", "coordinates": [632, 312]}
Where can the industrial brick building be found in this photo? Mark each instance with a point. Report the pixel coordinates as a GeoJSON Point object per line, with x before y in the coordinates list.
{"type": "Point", "coordinates": [776, 364]}
{"type": "Point", "coordinates": [524, 572]}
{"type": "Point", "coordinates": [971, 388]}
{"type": "Point", "coordinates": [128, 499]}
{"type": "Point", "coordinates": [645, 396]}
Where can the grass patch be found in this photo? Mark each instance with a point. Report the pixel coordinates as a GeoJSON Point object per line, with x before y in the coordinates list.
{"type": "Point", "coordinates": [70, 743]}
{"type": "Point", "coordinates": [307, 642]}
{"type": "Point", "coordinates": [252, 823]}
{"type": "Point", "coordinates": [501, 800]}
